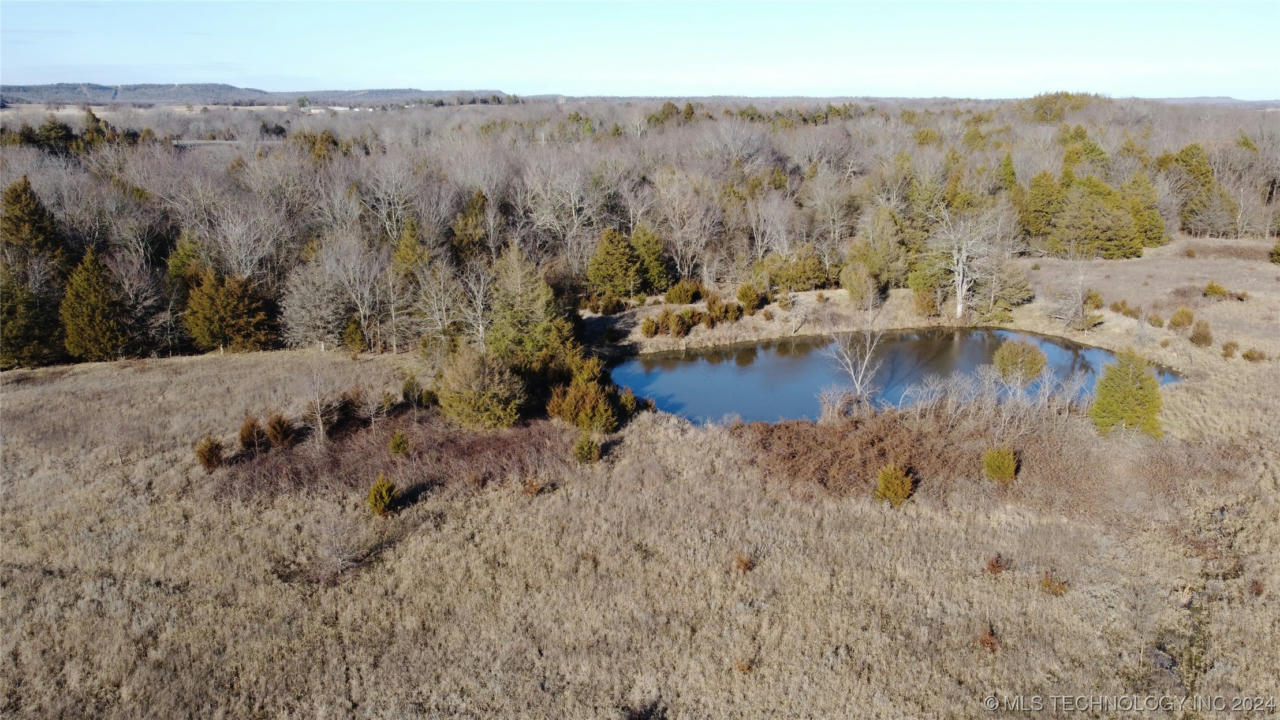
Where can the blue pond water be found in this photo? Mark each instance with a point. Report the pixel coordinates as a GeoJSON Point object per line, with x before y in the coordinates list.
{"type": "Point", "coordinates": [781, 379]}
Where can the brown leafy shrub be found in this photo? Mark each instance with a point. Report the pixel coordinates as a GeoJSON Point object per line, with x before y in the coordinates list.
{"type": "Point", "coordinates": [733, 312]}
{"type": "Point", "coordinates": [1253, 355]}
{"type": "Point", "coordinates": [209, 453]}
{"type": "Point", "coordinates": [649, 327]}
{"type": "Point", "coordinates": [744, 666]}
{"type": "Point", "coordinates": [1201, 336]}
{"type": "Point", "coordinates": [894, 485]}
{"type": "Point", "coordinates": [447, 455]}
{"type": "Point", "coordinates": [752, 298]}
{"type": "Point", "coordinates": [1229, 349]}
{"type": "Point", "coordinates": [999, 465]}
{"type": "Point", "coordinates": [785, 301]}
{"type": "Point", "coordinates": [1181, 318]}
{"type": "Point", "coordinates": [997, 564]}
{"type": "Point", "coordinates": [767, 315]}
{"type": "Point", "coordinates": [382, 496]}
{"type": "Point", "coordinates": [744, 563]}
{"type": "Point", "coordinates": [1051, 584]}
{"type": "Point", "coordinates": [821, 297]}
{"type": "Point", "coordinates": [685, 292]}
{"type": "Point", "coordinates": [586, 449]}
{"type": "Point", "coordinates": [987, 639]}
{"type": "Point", "coordinates": [279, 431]}
{"type": "Point", "coordinates": [1154, 320]}
{"type": "Point", "coordinates": [253, 438]}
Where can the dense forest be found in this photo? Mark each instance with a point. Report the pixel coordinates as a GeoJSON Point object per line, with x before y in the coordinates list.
{"type": "Point", "coordinates": [476, 228]}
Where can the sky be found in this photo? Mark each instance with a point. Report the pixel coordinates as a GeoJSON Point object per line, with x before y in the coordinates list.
{"type": "Point", "coordinates": [694, 48]}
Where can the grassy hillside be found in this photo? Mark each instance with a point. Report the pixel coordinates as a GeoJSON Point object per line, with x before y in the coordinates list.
{"type": "Point", "coordinates": [694, 572]}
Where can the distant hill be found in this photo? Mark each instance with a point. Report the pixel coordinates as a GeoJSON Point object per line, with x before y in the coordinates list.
{"type": "Point", "coordinates": [219, 94]}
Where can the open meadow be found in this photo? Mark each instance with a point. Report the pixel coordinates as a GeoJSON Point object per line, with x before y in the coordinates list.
{"type": "Point", "coordinates": [696, 571]}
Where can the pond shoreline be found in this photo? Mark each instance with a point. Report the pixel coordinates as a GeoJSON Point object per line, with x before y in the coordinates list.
{"type": "Point", "coordinates": [810, 319]}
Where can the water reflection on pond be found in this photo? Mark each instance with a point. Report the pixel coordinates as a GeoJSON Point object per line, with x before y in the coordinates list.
{"type": "Point", "coordinates": [781, 379]}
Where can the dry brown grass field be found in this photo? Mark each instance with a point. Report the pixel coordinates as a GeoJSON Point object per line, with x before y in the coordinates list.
{"type": "Point", "coordinates": [694, 572]}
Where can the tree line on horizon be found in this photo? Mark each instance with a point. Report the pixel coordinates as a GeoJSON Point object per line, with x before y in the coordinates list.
{"type": "Point", "coordinates": [437, 228]}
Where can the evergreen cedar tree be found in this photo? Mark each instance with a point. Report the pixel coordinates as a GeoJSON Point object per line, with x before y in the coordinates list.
{"type": "Point", "coordinates": [30, 334]}
{"type": "Point", "coordinates": [94, 317]}
{"type": "Point", "coordinates": [226, 313]}
{"type": "Point", "coordinates": [1127, 396]}
{"type": "Point", "coordinates": [623, 267]}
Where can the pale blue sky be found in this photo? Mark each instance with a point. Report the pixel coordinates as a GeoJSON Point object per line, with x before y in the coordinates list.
{"type": "Point", "coordinates": [992, 49]}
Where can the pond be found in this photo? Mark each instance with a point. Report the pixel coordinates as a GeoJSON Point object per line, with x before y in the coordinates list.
{"type": "Point", "coordinates": [781, 379]}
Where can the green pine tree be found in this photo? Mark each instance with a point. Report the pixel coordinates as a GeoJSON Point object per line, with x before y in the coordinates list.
{"type": "Point", "coordinates": [410, 253]}
{"type": "Point", "coordinates": [1045, 199]}
{"type": "Point", "coordinates": [1008, 177]}
{"type": "Point", "coordinates": [469, 229]}
{"type": "Point", "coordinates": [1139, 195]}
{"type": "Point", "coordinates": [29, 332]}
{"type": "Point", "coordinates": [27, 227]}
{"type": "Point", "coordinates": [1094, 221]}
{"type": "Point", "coordinates": [1127, 396]}
{"type": "Point", "coordinates": [615, 268]}
{"type": "Point", "coordinates": [94, 317]}
{"type": "Point", "coordinates": [655, 265]}
{"type": "Point", "coordinates": [228, 313]}
{"type": "Point", "coordinates": [528, 330]}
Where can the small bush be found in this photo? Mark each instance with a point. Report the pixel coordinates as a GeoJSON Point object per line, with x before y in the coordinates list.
{"type": "Point", "coordinates": [479, 391]}
{"type": "Point", "coordinates": [586, 450]}
{"type": "Point", "coordinates": [751, 297]}
{"type": "Point", "coordinates": [999, 465]}
{"type": "Point", "coordinates": [584, 403]}
{"type": "Point", "coordinates": [416, 395]}
{"type": "Point", "coordinates": [715, 307]}
{"type": "Point", "coordinates": [786, 301]}
{"type": "Point", "coordinates": [1275, 253]}
{"type": "Point", "coordinates": [279, 431]}
{"type": "Point", "coordinates": [894, 485]}
{"type": "Point", "coordinates": [733, 312]}
{"type": "Point", "coordinates": [767, 315]}
{"type": "Point", "coordinates": [685, 292]}
{"type": "Point", "coordinates": [1155, 320]}
{"type": "Point", "coordinates": [399, 444]}
{"type": "Point", "coordinates": [997, 564]}
{"type": "Point", "coordinates": [649, 327]}
{"type": "Point", "coordinates": [209, 453]}
{"type": "Point", "coordinates": [1215, 291]}
{"type": "Point", "coordinates": [708, 320]}
{"type": "Point", "coordinates": [821, 297]}
{"type": "Point", "coordinates": [1229, 349]}
{"type": "Point", "coordinates": [1123, 307]}
{"type": "Point", "coordinates": [1092, 300]}
{"type": "Point", "coordinates": [744, 563]}
{"type": "Point", "coordinates": [382, 496]}
{"type": "Point", "coordinates": [677, 326]}
{"type": "Point", "coordinates": [252, 437]}
{"type": "Point", "coordinates": [1201, 335]}
{"type": "Point", "coordinates": [987, 639]}
{"type": "Point", "coordinates": [1052, 584]}
{"type": "Point", "coordinates": [1182, 318]}
{"type": "Point", "coordinates": [1019, 361]}
{"type": "Point", "coordinates": [1035, 266]}
{"type": "Point", "coordinates": [1253, 355]}
{"type": "Point", "coordinates": [628, 402]}
{"type": "Point", "coordinates": [1189, 252]}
